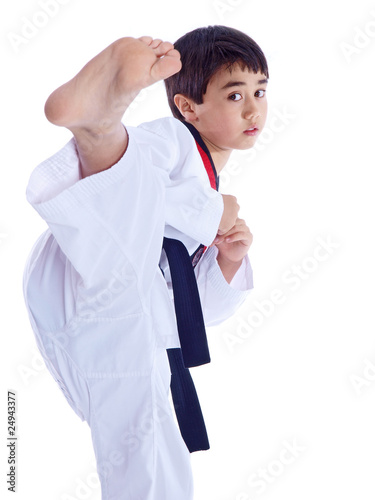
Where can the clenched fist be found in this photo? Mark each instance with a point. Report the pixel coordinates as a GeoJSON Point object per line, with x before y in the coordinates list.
{"type": "Point", "coordinates": [234, 245]}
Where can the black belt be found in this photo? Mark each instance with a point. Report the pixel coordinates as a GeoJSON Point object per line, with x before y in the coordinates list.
{"type": "Point", "coordinates": [194, 347]}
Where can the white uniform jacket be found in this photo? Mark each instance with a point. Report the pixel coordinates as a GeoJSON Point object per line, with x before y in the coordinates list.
{"type": "Point", "coordinates": [101, 239]}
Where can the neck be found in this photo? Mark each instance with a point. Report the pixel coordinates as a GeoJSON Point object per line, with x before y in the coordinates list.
{"type": "Point", "coordinates": [220, 159]}
{"type": "Point", "coordinates": [219, 156]}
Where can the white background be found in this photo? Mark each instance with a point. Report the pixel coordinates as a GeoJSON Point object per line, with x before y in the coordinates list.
{"type": "Point", "coordinates": [305, 375]}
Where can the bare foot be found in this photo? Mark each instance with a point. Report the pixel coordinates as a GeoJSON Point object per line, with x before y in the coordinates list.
{"type": "Point", "coordinates": [92, 104]}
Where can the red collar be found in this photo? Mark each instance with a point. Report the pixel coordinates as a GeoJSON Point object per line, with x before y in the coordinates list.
{"type": "Point", "coordinates": [206, 157]}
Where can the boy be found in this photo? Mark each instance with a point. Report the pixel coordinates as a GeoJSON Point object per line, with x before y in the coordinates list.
{"type": "Point", "coordinates": [96, 284]}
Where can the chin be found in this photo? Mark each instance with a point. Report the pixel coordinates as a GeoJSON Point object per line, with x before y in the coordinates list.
{"type": "Point", "coordinates": [243, 147]}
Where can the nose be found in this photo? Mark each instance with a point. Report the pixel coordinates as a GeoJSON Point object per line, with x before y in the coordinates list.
{"type": "Point", "coordinates": [251, 110]}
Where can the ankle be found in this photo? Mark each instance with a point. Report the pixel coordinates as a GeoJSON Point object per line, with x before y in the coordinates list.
{"type": "Point", "coordinates": [99, 151]}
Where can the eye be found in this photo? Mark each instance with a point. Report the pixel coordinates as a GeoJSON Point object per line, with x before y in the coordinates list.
{"type": "Point", "coordinates": [260, 93]}
{"type": "Point", "coordinates": [235, 97]}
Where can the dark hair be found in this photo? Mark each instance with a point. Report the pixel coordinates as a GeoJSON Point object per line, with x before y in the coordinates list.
{"type": "Point", "coordinates": [203, 52]}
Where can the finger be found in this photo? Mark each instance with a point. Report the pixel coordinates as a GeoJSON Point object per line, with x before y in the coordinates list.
{"type": "Point", "coordinates": [238, 227]}
{"type": "Point", "coordinates": [224, 231]}
{"type": "Point", "coordinates": [244, 237]}
{"type": "Point", "coordinates": [240, 222]}
{"type": "Point", "coordinates": [217, 240]}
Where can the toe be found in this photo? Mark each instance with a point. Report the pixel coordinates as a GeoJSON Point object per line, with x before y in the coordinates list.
{"type": "Point", "coordinates": [163, 48]}
{"type": "Point", "coordinates": [146, 39]}
{"type": "Point", "coordinates": [166, 66]}
{"type": "Point", "coordinates": [155, 43]}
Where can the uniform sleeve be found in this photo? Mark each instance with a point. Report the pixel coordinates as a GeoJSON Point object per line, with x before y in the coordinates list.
{"type": "Point", "coordinates": [193, 208]}
{"type": "Point", "coordinates": [110, 222]}
{"type": "Point", "coordinates": [114, 221]}
{"type": "Point", "coordinates": [219, 299]}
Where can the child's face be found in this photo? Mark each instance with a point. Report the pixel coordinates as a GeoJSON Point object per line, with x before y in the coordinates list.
{"type": "Point", "coordinates": [234, 103]}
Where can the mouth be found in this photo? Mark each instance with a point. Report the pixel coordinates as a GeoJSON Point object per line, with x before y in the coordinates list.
{"type": "Point", "coordinates": [251, 131]}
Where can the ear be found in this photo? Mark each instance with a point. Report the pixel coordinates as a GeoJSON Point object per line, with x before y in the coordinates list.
{"type": "Point", "coordinates": [186, 107]}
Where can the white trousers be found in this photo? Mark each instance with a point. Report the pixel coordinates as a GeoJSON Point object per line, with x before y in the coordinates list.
{"type": "Point", "coordinates": [138, 447]}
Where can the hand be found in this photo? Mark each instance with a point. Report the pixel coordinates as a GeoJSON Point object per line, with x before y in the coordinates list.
{"type": "Point", "coordinates": [230, 214]}
{"type": "Point", "coordinates": [234, 244]}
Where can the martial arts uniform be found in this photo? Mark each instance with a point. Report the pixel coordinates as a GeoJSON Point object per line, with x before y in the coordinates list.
{"type": "Point", "coordinates": [97, 288]}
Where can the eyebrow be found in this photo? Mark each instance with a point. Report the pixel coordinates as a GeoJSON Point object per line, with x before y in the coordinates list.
{"type": "Point", "coordinates": [232, 83]}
